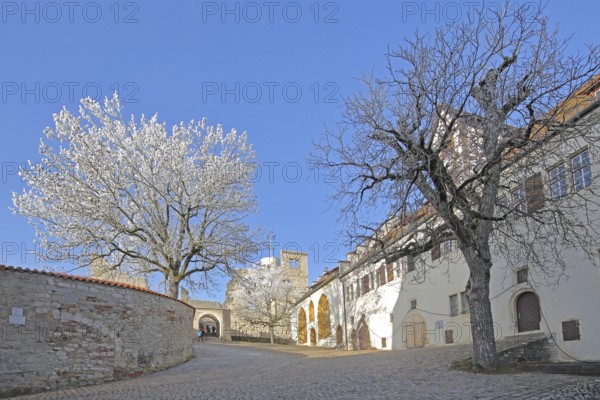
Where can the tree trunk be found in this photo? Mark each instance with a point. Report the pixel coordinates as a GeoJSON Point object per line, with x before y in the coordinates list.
{"type": "Point", "coordinates": [271, 334]}
{"type": "Point", "coordinates": [173, 289]}
{"type": "Point", "coordinates": [482, 323]}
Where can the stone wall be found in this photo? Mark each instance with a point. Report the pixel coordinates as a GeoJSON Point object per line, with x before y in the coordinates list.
{"type": "Point", "coordinates": [58, 330]}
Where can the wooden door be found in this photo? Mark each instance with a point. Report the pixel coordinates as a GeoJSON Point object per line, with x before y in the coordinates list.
{"type": "Point", "coordinates": [413, 328]}
{"type": "Point", "coordinates": [528, 312]}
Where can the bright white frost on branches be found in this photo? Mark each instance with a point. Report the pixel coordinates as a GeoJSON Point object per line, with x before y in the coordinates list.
{"type": "Point", "coordinates": [138, 196]}
{"type": "Point", "coordinates": [263, 296]}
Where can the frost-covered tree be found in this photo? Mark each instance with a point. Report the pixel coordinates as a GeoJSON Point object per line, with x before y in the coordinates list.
{"type": "Point", "coordinates": [473, 113]}
{"type": "Point", "coordinates": [138, 197]}
{"type": "Point", "coordinates": [262, 297]}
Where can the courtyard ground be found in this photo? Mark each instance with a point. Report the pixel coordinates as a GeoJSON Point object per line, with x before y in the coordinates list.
{"type": "Point", "coordinates": [254, 371]}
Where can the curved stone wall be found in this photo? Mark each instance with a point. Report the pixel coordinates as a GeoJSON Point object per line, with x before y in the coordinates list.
{"type": "Point", "coordinates": [59, 330]}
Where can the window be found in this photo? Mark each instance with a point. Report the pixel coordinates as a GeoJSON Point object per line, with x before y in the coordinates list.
{"type": "Point", "coordinates": [383, 343]}
{"type": "Point", "coordinates": [464, 303]}
{"type": "Point", "coordinates": [558, 181]}
{"type": "Point", "coordinates": [294, 263]}
{"type": "Point", "coordinates": [522, 275]}
{"type": "Point", "coordinates": [435, 252]}
{"type": "Point", "coordinates": [381, 275]}
{"type": "Point", "coordinates": [454, 305]}
{"type": "Point", "coordinates": [413, 304]}
{"type": "Point", "coordinates": [519, 204]}
{"type": "Point", "coordinates": [582, 172]}
{"type": "Point", "coordinates": [409, 263]}
{"type": "Point", "coordinates": [448, 247]}
{"type": "Point", "coordinates": [390, 271]}
{"type": "Point", "coordinates": [570, 330]}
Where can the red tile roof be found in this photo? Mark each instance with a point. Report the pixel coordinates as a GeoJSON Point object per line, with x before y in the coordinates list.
{"type": "Point", "coordinates": [86, 279]}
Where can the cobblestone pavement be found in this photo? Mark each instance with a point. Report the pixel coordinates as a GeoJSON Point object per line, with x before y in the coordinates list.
{"type": "Point", "coordinates": [243, 371]}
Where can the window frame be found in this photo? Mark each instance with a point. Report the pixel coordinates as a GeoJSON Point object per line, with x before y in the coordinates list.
{"type": "Point", "coordinates": [520, 273]}
{"type": "Point", "coordinates": [454, 308]}
{"type": "Point", "coordinates": [519, 203]}
{"type": "Point", "coordinates": [448, 247]}
{"type": "Point", "coordinates": [582, 167]}
{"type": "Point", "coordinates": [560, 178]}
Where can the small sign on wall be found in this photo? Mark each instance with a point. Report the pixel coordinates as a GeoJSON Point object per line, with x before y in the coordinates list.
{"type": "Point", "coordinates": [16, 318]}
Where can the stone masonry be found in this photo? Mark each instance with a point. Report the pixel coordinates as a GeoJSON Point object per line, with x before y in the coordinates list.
{"type": "Point", "coordinates": [294, 266]}
{"type": "Point", "coordinates": [59, 330]}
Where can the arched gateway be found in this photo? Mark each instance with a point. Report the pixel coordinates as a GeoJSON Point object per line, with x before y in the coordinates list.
{"type": "Point", "coordinates": [213, 317]}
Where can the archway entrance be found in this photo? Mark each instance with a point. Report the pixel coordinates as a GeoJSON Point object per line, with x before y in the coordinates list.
{"type": "Point", "coordinates": [364, 337]}
{"type": "Point", "coordinates": [413, 330]}
{"type": "Point", "coordinates": [210, 325]}
{"type": "Point", "coordinates": [323, 318]}
{"type": "Point", "coordinates": [302, 326]}
{"type": "Point", "coordinates": [528, 312]}
{"type": "Point", "coordinates": [339, 335]}
{"type": "Point", "coordinates": [313, 337]}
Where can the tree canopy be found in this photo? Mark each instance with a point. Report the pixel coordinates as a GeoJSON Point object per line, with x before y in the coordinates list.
{"type": "Point", "coordinates": [467, 115]}
{"type": "Point", "coordinates": [141, 198]}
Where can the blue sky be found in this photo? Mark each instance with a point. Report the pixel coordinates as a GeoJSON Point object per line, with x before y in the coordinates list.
{"type": "Point", "coordinates": [277, 70]}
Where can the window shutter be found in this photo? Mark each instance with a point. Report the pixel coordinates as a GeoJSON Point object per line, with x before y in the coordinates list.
{"type": "Point", "coordinates": [365, 284]}
{"type": "Point", "coordinates": [435, 252]}
{"type": "Point", "coordinates": [381, 276]}
{"type": "Point", "coordinates": [390, 272]}
{"type": "Point", "coordinates": [534, 192]}
{"type": "Point", "coordinates": [570, 330]}
{"type": "Point", "coordinates": [410, 263]}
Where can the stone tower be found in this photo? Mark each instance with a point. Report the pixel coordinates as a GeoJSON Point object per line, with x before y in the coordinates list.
{"type": "Point", "coordinates": [294, 267]}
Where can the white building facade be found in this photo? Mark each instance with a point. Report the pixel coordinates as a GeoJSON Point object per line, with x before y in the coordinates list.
{"type": "Point", "coordinates": [413, 302]}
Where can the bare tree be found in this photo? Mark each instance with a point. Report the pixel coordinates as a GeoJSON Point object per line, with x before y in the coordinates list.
{"type": "Point", "coordinates": [465, 115]}
{"type": "Point", "coordinates": [262, 297]}
{"type": "Point", "coordinates": [140, 198]}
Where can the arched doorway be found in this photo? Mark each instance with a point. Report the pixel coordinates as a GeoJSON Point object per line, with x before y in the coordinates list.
{"type": "Point", "coordinates": [313, 337]}
{"type": "Point", "coordinates": [413, 330]}
{"type": "Point", "coordinates": [323, 324]}
{"type": "Point", "coordinates": [528, 312]}
{"type": "Point", "coordinates": [302, 331]}
{"type": "Point", "coordinates": [210, 325]}
{"type": "Point", "coordinates": [364, 336]}
{"type": "Point", "coordinates": [339, 335]}
{"type": "Point", "coordinates": [354, 339]}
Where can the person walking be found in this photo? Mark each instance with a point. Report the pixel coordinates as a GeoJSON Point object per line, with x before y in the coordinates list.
{"type": "Point", "coordinates": [200, 335]}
